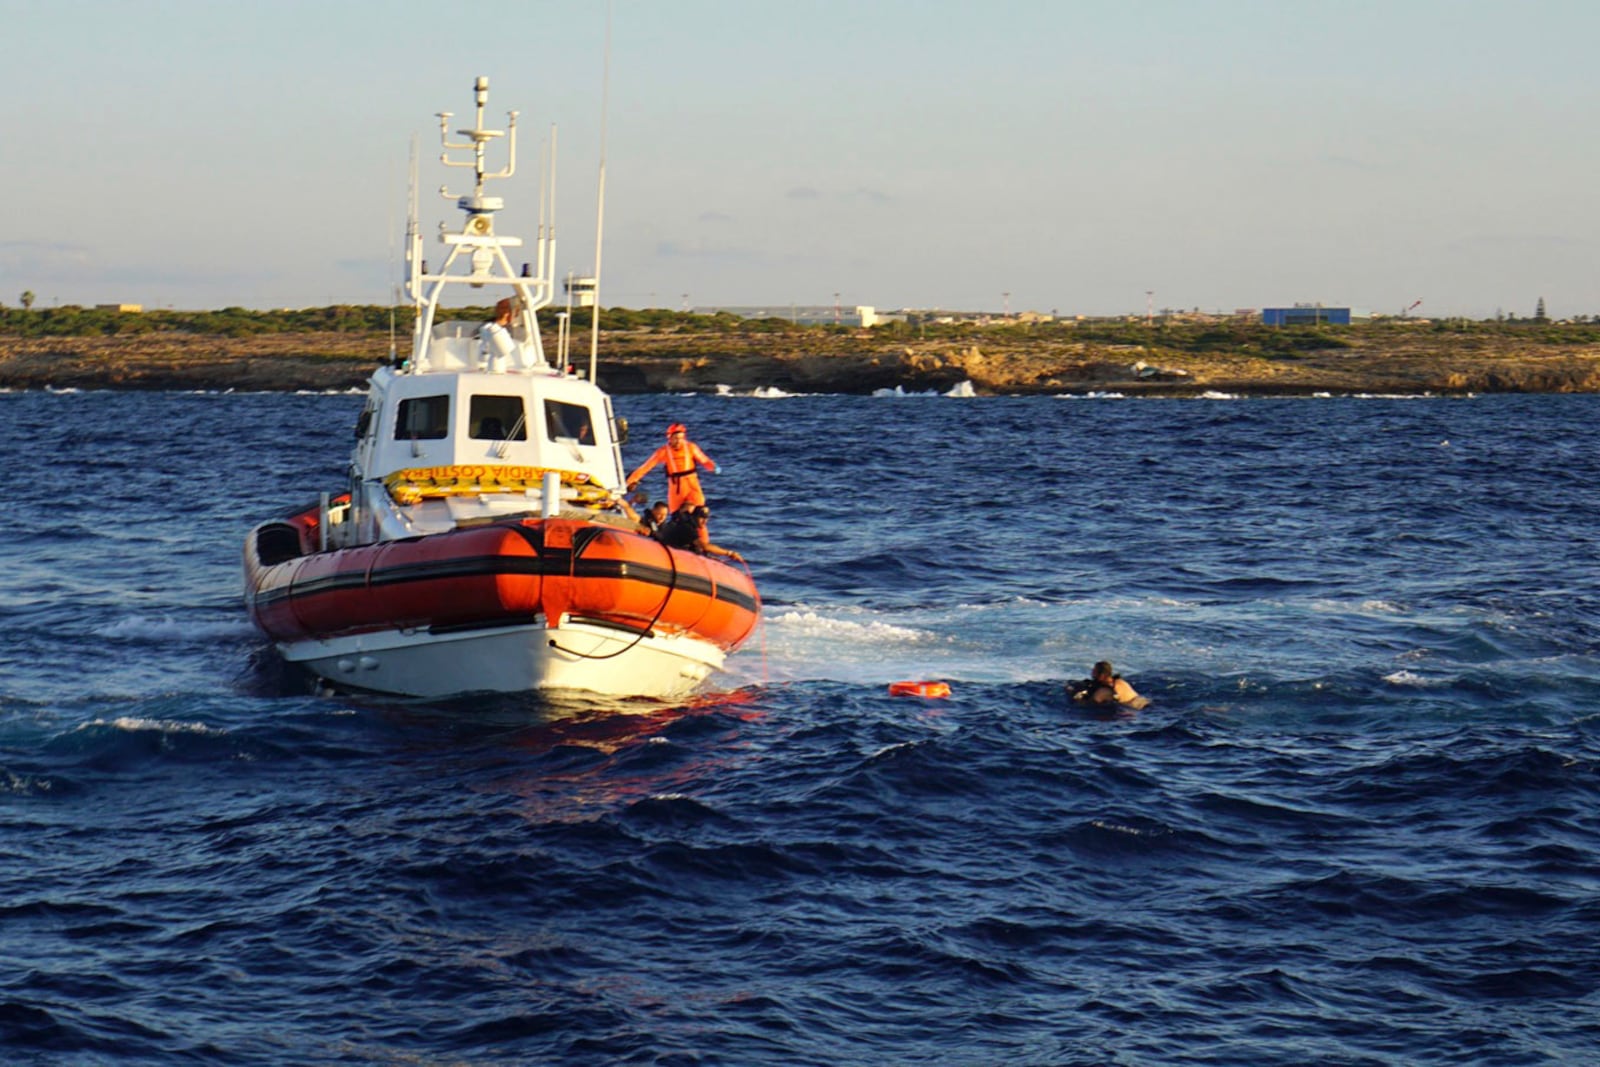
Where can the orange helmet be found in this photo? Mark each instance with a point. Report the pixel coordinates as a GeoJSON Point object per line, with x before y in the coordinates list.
{"type": "Point", "coordinates": [677, 427]}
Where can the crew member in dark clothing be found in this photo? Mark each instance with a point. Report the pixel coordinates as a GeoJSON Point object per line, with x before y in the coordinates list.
{"type": "Point", "coordinates": [687, 529]}
{"type": "Point", "coordinates": [678, 531]}
{"type": "Point", "coordinates": [650, 522]}
{"type": "Point", "coordinates": [702, 535]}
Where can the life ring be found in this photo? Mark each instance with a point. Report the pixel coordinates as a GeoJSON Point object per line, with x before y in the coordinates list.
{"type": "Point", "coordinates": [919, 689]}
{"type": "Point", "coordinates": [414, 484]}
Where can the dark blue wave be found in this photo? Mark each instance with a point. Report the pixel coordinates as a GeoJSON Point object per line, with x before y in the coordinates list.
{"type": "Point", "coordinates": [1354, 825]}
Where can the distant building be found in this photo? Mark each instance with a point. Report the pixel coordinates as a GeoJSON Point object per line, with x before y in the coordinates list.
{"type": "Point", "coordinates": [580, 291]}
{"type": "Point", "coordinates": [812, 314]}
{"type": "Point", "coordinates": [1305, 315]}
{"type": "Point", "coordinates": [132, 309]}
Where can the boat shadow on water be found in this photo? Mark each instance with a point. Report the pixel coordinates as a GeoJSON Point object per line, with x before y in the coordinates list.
{"type": "Point", "coordinates": [542, 720]}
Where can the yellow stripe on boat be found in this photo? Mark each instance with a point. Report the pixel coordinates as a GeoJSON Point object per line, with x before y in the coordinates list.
{"type": "Point", "coordinates": [413, 484]}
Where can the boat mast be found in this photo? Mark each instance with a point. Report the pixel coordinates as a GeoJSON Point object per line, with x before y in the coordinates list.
{"type": "Point", "coordinates": [477, 256]}
{"type": "Point", "coordinates": [600, 203]}
{"type": "Point", "coordinates": [545, 254]}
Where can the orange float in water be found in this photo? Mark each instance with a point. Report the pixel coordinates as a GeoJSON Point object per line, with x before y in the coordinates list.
{"type": "Point", "coordinates": [919, 689]}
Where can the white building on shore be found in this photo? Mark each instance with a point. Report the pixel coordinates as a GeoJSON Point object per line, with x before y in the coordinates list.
{"type": "Point", "coordinates": [811, 314]}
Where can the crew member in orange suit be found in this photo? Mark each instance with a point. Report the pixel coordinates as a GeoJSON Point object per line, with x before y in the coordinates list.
{"type": "Point", "coordinates": [679, 455]}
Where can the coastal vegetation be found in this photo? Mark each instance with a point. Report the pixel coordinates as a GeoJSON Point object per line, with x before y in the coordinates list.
{"type": "Point", "coordinates": [1170, 333]}
{"type": "Point", "coordinates": [658, 349]}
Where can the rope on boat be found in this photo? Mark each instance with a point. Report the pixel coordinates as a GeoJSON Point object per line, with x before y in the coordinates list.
{"type": "Point", "coordinates": [671, 588]}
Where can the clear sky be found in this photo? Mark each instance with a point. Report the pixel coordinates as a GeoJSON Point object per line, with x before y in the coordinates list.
{"type": "Point", "coordinates": [899, 153]}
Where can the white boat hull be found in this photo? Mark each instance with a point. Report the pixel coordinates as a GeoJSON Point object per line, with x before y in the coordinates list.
{"type": "Point", "coordinates": [510, 659]}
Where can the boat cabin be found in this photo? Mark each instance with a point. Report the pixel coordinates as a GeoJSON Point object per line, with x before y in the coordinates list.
{"type": "Point", "coordinates": [435, 450]}
{"type": "Point", "coordinates": [477, 425]}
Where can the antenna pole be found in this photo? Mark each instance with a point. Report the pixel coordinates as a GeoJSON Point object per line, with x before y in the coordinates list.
{"type": "Point", "coordinates": [547, 269]}
{"type": "Point", "coordinates": [600, 206]}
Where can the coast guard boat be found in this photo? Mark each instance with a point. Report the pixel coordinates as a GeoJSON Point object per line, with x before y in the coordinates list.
{"type": "Point", "coordinates": [482, 543]}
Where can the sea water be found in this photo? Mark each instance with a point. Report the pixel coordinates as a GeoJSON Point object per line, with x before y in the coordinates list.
{"type": "Point", "coordinates": [1357, 823]}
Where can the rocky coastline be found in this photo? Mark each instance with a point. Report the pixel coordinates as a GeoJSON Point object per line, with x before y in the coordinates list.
{"type": "Point", "coordinates": [644, 361]}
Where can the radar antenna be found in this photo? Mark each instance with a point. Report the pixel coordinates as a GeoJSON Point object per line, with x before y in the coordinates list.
{"type": "Point", "coordinates": [477, 140]}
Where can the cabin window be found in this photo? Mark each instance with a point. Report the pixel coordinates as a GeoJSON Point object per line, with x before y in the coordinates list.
{"type": "Point", "coordinates": [570, 421]}
{"type": "Point", "coordinates": [497, 418]}
{"type": "Point", "coordinates": [423, 417]}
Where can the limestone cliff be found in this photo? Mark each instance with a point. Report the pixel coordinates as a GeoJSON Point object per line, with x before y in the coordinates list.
{"type": "Point", "coordinates": [861, 362]}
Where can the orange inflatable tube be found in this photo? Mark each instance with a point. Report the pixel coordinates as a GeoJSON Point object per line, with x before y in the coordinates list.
{"type": "Point", "coordinates": [919, 689]}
